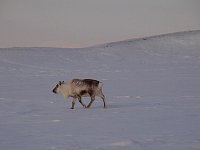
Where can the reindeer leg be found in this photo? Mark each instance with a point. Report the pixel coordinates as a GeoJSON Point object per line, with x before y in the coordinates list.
{"type": "Point", "coordinates": [73, 102]}
{"type": "Point", "coordinates": [80, 100]}
{"type": "Point", "coordinates": [103, 98]}
{"type": "Point", "coordinates": [104, 103]}
{"type": "Point", "coordinates": [92, 100]}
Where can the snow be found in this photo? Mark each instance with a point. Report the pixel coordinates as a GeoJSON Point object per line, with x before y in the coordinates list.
{"type": "Point", "coordinates": [152, 88]}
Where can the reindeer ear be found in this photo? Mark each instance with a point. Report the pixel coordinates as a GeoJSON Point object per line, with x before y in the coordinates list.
{"type": "Point", "coordinates": [63, 82]}
{"type": "Point", "coordinates": [60, 82]}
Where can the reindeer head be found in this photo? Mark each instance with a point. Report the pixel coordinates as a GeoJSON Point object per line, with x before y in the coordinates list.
{"type": "Point", "coordinates": [57, 87]}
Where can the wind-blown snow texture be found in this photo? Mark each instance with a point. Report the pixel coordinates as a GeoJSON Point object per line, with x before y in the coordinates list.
{"type": "Point", "coordinates": [152, 86]}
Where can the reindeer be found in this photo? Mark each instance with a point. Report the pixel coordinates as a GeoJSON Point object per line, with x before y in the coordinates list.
{"type": "Point", "coordinates": [76, 88]}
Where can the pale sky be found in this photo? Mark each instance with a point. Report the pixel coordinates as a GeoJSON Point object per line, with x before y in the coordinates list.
{"type": "Point", "coordinates": [82, 23]}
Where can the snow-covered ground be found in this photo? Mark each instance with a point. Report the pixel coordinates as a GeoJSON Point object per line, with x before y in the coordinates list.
{"type": "Point", "coordinates": [152, 87]}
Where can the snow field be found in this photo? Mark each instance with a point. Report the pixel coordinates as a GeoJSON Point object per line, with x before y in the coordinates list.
{"type": "Point", "coordinates": [151, 86]}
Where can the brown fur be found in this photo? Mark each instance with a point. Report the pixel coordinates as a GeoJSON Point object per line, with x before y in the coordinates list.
{"type": "Point", "coordinates": [77, 88]}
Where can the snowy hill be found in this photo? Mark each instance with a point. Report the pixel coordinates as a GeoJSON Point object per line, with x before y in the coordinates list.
{"type": "Point", "coordinates": [152, 87]}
